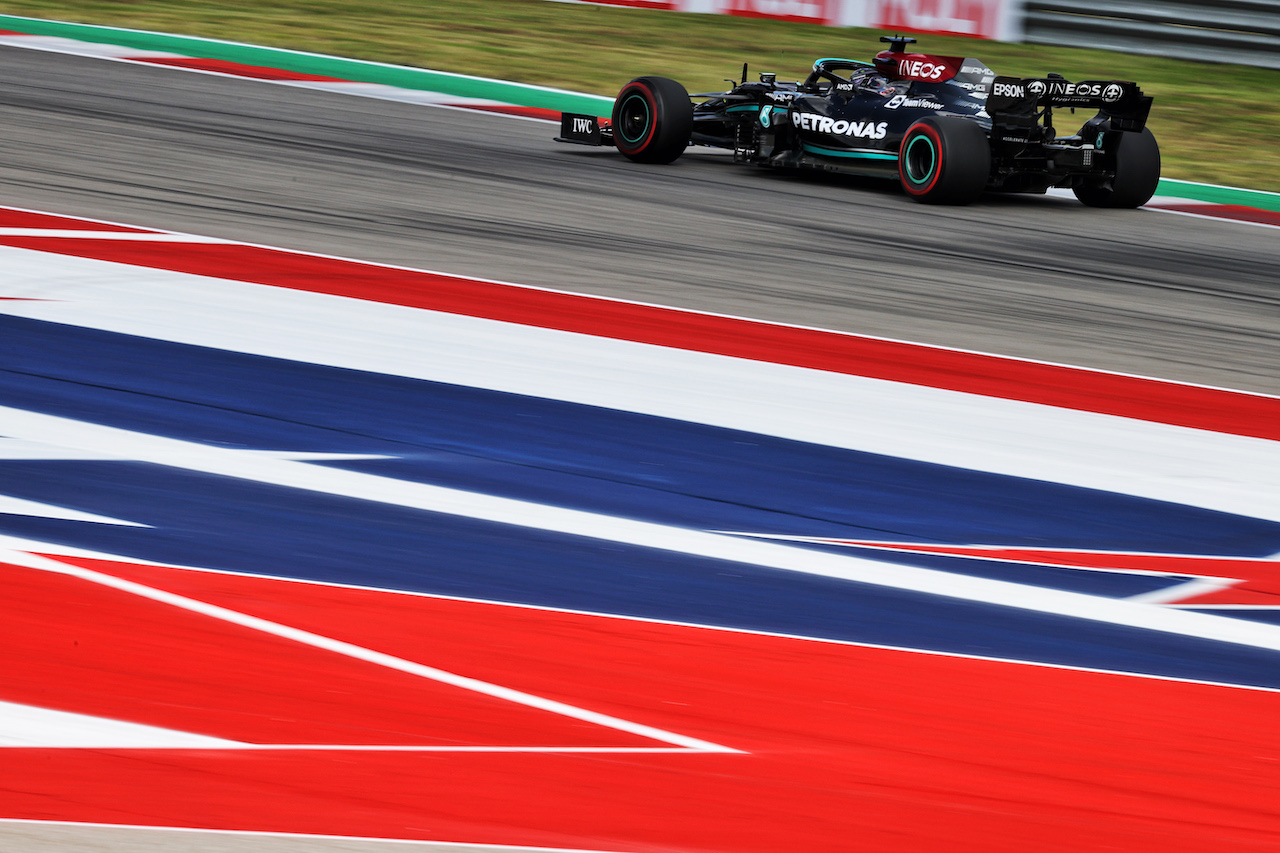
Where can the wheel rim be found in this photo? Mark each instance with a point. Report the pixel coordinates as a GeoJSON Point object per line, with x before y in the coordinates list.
{"type": "Point", "coordinates": [633, 118]}
{"type": "Point", "coordinates": [919, 159]}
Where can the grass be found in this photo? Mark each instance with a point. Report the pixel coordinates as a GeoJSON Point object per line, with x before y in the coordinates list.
{"type": "Point", "coordinates": [1216, 124]}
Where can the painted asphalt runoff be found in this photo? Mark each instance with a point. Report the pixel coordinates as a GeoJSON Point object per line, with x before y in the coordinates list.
{"type": "Point", "coordinates": [1154, 294]}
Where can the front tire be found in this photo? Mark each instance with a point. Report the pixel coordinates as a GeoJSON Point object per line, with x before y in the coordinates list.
{"type": "Point", "coordinates": [652, 120]}
{"type": "Point", "coordinates": [1137, 174]}
{"type": "Point", "coordinates": [944, 160]}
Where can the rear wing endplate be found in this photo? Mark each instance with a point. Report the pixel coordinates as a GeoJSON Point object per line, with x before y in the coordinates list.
{"type": "Point", "coordinates": [1014, 101]}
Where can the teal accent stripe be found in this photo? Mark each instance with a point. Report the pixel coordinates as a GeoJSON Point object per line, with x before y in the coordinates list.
{"type": "Point", "coordinates": [743, 109]}
{"type": "Point", "coordinates": [354, 70]}
{"type": "Point", "coordinates": [1219, 195]}
{"type": "Point", "coordinates": [818, 62]}
{"type": "Point", "coordinates": [859, 155]}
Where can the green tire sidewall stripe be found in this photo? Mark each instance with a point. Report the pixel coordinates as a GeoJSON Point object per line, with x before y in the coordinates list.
{"type": "Point", "coordinates": [908, 160]}
{"type": "Point", "coordinates": [459, 85]}
{"type": "Point", "coordinates": [647, 118]}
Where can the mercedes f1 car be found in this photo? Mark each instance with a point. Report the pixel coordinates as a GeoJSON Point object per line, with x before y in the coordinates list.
{"type": "Point", "coordinates": [946, 127]}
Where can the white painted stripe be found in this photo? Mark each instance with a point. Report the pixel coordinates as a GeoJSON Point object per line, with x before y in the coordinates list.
{"type": "Point", "coordinates": [12, 448]}
{"type": "Point", "coordinates": [24, 545]}
{"type": "Point", "coordinates": [300, 475]}
{"type": "Point", "coordinates": [373, 265]}
{"type": "Point", "coordinates": [57, 44]}
{"type": "Point", "coordinates": [393, 93]}
{"type": "Point", "coordinates": [29, 727]}
{"type": "Point", "coordinates": [362, 841]}
{"type": "Point", "coordinates": [1209, 215]}
{"type": "Point", "coordinates": [1170, 594]}
{"type": "Point", "coordinates": [32, 546]}
{"type": "Point", "coordinates": [1212, 470]}
{"type": "Point", "coordinates": [368, 655]}
{"type": "Point", "coordinates": [1161, 200]}
{"type": "Point", "coordinates": [993, 555]}
{"type": "Point", "coordinates": [20, 506]}
{"type": "Point", "coordinates": [138, 236]}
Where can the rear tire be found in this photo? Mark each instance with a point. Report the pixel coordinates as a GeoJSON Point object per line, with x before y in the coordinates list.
{"type": "Point", "coordinates": [1137, 174]}
{"type": "Point", "coordinates": [944, 160]}
{"type": "Point", "coordinates": [652, 120]}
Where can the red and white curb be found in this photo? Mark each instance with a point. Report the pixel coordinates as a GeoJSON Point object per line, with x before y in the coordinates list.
{"type": "Point", "coordinates": [1210, 210]}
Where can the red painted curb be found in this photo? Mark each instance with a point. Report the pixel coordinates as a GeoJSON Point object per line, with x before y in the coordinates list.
{"type": "Point", "coordinates": [1198, 407]}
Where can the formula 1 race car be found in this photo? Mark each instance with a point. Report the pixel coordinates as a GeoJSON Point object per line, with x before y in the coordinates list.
{"type": "Point", "coordinates": [946, 127]}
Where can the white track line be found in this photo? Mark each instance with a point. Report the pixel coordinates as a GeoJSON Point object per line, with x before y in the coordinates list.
{"type": "Point", "coordinates": [135, 236]}
{"type": "Point", "coordinates": [31, 727]}
{"type": "Point", "coordinates": [1200, 586]}
{"type": "Point", "coordinates": [369, 656]}
{"type": "Point", "coordinates": [33, 546]}
{"type": "Point", "coordinates": [225, 462]}
{"type": "Point", "coordinates": [244, 835]}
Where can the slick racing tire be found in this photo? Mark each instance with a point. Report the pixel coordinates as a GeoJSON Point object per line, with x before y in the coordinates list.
{"type": "Point", "coordinates": [652, 120]}
{"type": "Point", "coordinates": [1137, 174]}
{"type": "Point", "coordinates": [944, 160]}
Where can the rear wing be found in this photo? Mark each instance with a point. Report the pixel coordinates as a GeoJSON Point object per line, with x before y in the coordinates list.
{"type": "Point", "coordinates": [1016, 102]}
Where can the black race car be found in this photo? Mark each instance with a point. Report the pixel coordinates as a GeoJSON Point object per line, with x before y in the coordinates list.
{"type": "Point", "coordinates": [946, 127]}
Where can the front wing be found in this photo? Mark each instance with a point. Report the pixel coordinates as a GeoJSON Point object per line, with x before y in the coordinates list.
{"type": "Point", "coordinates": [582, 129]}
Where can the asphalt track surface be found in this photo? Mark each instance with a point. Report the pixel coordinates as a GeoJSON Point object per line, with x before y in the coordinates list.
{"type": "Point", "coordinates": [1155, 294]}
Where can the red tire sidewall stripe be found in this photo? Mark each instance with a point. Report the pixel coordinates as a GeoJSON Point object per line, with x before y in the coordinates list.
{"type": "Point", "coordinates": [652, 100]}
{"type": "Point", "coordinates": [931, 132]}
